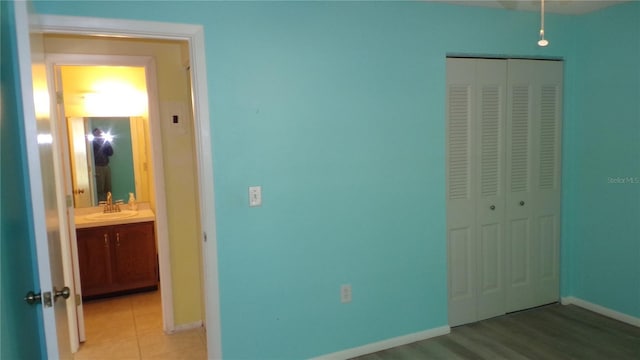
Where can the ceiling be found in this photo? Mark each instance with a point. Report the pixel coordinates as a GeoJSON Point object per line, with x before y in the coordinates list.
{"type": "Point", "coordinates": [575, 7]}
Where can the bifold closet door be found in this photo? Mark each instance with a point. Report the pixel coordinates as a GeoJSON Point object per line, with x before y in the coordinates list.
{"type": "Point", "coordinates": [476, 176]}
{"type": "Point", "coordinates": [533, 182]}
{"type": "Point", "coordinates": [503, 185]}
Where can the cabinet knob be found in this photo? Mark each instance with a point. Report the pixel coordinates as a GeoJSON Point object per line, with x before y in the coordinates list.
{"type": "Point", "coordinates": [492, 207]}
{"type": "Point", "coordinates": [521, 203]}
{"type": "Point", "coordinates": [106, 240]}
{"type": "Point", "coordinates": [117, 239]}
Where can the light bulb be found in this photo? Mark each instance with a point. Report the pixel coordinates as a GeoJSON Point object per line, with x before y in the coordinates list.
{"type": "Point", "coordinates": [542, 42]}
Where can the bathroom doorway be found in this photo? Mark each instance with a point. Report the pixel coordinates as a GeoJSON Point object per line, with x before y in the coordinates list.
{"type": "Point", "coordinates": [175, 202]}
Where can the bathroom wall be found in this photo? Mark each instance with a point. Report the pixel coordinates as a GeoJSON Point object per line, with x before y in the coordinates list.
{"type": "Point", "coordinates": [178, 158]}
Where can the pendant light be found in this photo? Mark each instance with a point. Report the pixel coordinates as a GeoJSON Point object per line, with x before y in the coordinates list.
{"type": "Point", "coordinates": [542, 42]}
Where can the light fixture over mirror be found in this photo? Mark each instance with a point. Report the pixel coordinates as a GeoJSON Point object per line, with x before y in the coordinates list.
{"type": "Point", "coordinates": [114, 100]}
{"type": "Point", "coordinates": [542, 42]}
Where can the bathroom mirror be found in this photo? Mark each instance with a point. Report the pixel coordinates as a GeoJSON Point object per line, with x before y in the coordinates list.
{"type": "Point", "coordinates": [128, 165]}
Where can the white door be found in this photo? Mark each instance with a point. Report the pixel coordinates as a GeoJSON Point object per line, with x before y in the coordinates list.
{"type": "Point", "coordinates": [533, 184]}
{"type": "Point", "coordinates": [503, 185]}
{"type": "Point", "coordinates": [520, 284]}
{"type": "Point", "coordinates": [491, 81]}
{"type": "Point", "coordinates": [461, 226]}
{"type": "Point", "coordinates": [39, 139]}
{"type": "Point", "coordinates": [476, 99]}
{"type": "Point", "coordinates": [546, 166]}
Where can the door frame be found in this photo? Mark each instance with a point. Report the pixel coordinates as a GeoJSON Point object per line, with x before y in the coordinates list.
{"type": "Point", "coordinates": [53, 62]}
{"type": "Point", "coordinates": [194, 35]}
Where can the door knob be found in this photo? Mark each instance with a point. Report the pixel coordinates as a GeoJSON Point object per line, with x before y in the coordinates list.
{"type": "Point", "coordinates": [65, 293]}
{"type": "Point", "coordinates": [521, 203]}
{"type": "Point", "coordinates": [492, 207]}
{"type": "Point", "coordinates": [33, 298]}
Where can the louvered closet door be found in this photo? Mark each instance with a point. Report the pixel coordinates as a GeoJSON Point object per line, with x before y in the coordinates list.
{"type": "Point", "coordinates": [475, 170]}
{"type": "Point", "coordinates": [461, 228]}
{"type": "Point", "coordinates": [489, 119]}
{"type": "Point", "coordinates": [533, 202]}
{"type": "Point", "coordinates": [546, 165]}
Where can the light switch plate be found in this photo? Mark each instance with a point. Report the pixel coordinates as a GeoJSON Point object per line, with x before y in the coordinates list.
{"type": "Point", "coordinates": [345, 293]}
{"type": "Point", "coordinates": [255, 196]}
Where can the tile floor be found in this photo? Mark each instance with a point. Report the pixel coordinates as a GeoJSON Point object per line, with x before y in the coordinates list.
{"type": "Point", "coordinates": [130, 327]}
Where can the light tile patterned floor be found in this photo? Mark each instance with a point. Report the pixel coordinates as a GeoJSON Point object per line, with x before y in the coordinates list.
{"type": "Point", "coordinates": [130, 327]}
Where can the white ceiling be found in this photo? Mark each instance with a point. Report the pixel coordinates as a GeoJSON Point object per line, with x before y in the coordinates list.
{"type": "Point", "coordinates": [552, 6]}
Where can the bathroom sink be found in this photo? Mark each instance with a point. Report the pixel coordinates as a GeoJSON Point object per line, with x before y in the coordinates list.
{"type": "Point", "coordinates": [124, 214]}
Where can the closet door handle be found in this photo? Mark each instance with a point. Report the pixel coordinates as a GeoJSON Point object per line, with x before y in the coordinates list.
{"type": "Point", "coordinates": [521, 203]}
{"type": "Point", "coordinates": [117, 239]}
{"type": "Point", "coordinates": [492, 207]}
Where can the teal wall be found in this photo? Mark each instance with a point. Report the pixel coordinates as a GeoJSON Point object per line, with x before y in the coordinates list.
{"type": "Point", "coordinates": [21, 335]}
{"type": "Point", "coordinates": [602, 175]}
{"type": "Point", "coordinates": [337, 109]}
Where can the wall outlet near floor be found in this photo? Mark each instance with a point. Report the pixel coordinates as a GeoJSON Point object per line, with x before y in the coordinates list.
{"type": "Point", "coordinates": [345, 293]}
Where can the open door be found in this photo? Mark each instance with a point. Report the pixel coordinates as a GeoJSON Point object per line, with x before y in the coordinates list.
{"type": "Point", "coordinates": [43, 200]}
{"type": "Point", "coordinates": [21, 336]}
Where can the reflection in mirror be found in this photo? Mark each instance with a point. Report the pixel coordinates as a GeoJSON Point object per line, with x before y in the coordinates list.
{"type": "Point", "coordinates": [127, 165]}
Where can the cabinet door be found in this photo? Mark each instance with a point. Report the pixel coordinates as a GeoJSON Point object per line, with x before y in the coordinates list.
{"type": "Point", "coordinates": [135, 255]}
{"type": "Point", "coordinates": [94, 260]}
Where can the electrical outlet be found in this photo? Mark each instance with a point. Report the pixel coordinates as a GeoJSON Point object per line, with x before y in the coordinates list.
{"type": "Point", "coordinates": [345, 293]}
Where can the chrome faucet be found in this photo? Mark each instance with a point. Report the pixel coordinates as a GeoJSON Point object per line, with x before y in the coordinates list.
{"type": "Point", "coordinates": [109, 206]}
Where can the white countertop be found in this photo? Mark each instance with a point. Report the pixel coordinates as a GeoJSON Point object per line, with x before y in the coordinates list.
{"type": "Point", "coordinates": [82, 221]}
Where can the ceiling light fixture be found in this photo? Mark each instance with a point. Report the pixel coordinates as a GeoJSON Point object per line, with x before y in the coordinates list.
{"type": "Point", "coordinates": [542, 42]}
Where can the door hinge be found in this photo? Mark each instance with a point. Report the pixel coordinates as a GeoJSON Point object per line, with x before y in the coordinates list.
{"type": "Point", "coordinates": [59, 98]}
{"type": "Point", "coordinates": [78, 300]}
{"type": "Point", "coordinates": [204, 236]}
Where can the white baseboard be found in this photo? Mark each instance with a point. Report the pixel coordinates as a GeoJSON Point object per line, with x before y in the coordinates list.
{"type": "Point", "coordinates": [385, 344]}
{"type": "Point", "coordinates": [185, 327]}
{"type": "Point", "coordinates": [570, 300]}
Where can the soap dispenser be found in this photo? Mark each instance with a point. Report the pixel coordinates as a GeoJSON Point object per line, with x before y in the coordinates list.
{"type": "Point", "coordinates": [132, 202]}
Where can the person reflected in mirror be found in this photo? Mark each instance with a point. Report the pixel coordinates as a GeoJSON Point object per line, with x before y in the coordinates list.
{"type": "Point", "coordinates": [101, 151]}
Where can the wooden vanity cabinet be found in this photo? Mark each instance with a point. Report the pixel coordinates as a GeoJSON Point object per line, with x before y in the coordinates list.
{"type": "Point", "coordinates": [117, 259]}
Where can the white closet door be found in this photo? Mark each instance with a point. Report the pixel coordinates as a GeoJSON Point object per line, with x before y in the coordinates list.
{"type": "Point", "coordinates": [489, 118]}
{"type": "Point", "coordinates": [547, 159]}
{"type": "Point", "coordinates": [503, 185]}
{"type": "Point", "coordinates": [533, 201]}
{"type": "Point", "coordinates": [519, 214]}
{"type": "Point", "coordinates": [461, 227]}
{"type": "Point", "coordinates": [475, 193]}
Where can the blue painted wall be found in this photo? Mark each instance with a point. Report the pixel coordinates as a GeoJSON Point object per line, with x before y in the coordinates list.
{"type": "Point", "coordinates": [602, 174]}
{"type": "Point", "coordinates": [337, 110]}
{"type": "Point", "coordinates": [21, 335]}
